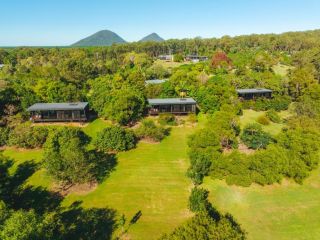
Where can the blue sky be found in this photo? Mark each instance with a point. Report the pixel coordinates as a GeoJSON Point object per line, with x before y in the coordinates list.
{"type": "Point", "coordinates": [58, 22]}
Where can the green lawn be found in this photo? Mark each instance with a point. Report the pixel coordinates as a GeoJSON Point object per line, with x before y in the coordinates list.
{"type": "Point", "coordinates": [94, 127]}
{"type": "Point", "coordinates": [251, 116]}
{"type": "Point", "coordinates": [283, 212]}
{"type": "Point", "coordinates": [281, 69]}
{"type": "Point", "coordinates": [150, 179]}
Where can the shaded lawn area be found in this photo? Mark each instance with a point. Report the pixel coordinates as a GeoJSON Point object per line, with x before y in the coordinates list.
{"type": "Point", "coordinates": [281, 211]}
{"type": "Point", "coordinates": [150, 179]}
{"type": "Point", "coordinates": [251, 116]}
{"type": "Point", "coordinates": [20, 156]}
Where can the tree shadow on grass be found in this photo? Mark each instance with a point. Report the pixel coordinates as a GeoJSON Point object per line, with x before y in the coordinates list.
{"type": "Point", "coordinates": [92, 223]}
{"type": "Point", "coordinates": [105, 164]}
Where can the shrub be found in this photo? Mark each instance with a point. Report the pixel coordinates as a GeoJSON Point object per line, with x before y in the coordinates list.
{"type": "Point", "coordinates": [26, 136]}
{"type": "Point", "coordinates": [254, 137]}
{"type": "Point", "coordinates": [149, 129]}
{"type": "Point", "coordinates": [277, 103]}
{"type": "Point", "coordinates": [167, 119]}
{"type": "Point", "coordinates": [198, 200]}
{"type": "Point", "coordinates": [263, 120]}
{"type": "Point", "coordinates": [4, 135]}
{"type": "Point", "coordinates": [192, 118]}
{"type": "Point", "coordinates": [273, 116]}
{"type": "Point", "coordinates": [115, 138]}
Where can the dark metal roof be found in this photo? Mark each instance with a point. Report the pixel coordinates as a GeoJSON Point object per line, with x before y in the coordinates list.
{"type": "Point", "coordinates": [156, 81]}
{"type": "Point", "coordinates": [254, 90]}
{"type": "Point", "coordinates": [165, 101]}
{"type": "Point", "coordinates": [58, 106]}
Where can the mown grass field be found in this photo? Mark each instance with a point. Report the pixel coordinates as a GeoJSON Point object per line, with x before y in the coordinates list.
{"type": "Point", "coordinates": [151, 179]}
{"type": "Point", "coordinates": [282, 211]}
{"type": "Point", "coordinates": [251, 116]}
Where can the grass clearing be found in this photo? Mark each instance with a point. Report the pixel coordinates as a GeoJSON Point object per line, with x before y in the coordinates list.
{"type": "Point", "coordinates": [150, 179]}
{"type": "Point", "coordinates": [281, 211]}
{"type": "Point", "coordinates": [251, 116]}
{"type": "Point", "coordinates": [281, 69]}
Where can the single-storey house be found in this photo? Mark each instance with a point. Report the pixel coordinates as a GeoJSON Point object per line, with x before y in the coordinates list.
{"type": "Point", "coordinates": [196, 58]}
{"type": "Point", "coordinates": [253, 93]}
{"type": "Point", "coordinates": [172, 105]}
{"type": "Point", "coordinates": [59, 112]}
{"type": "Point", "coordinates": [167, 57]}
{"type": "Point", "coordinates": [155, 81]}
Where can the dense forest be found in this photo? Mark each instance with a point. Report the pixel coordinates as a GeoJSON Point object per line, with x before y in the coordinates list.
{"type": "Point", "coordinates": [112, 79]}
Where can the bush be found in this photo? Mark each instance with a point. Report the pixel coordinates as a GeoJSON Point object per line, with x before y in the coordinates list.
{"type": "Point", "coordinates": [263, 120]}
{"type": "Point", "coordinates": [4, 135]}
{"type": "Point", "coordinates": [277, 103]}
{"type": "Point", "coordinates": [167, 119]}
{"type": "Point", "coordinates": [115, 138]}
{"type": "Point", "coordinates": [254, 137]}
{"type": "Point", "coordinates": [26, 136]}
{"type": "Point", "coordinates": [198, 200]}
{"type": "Point", "coordinates": [273, 116]}
{"type": "Point", "coordinates": [148, 129]}
{"type": "Point", "coordinates": [192, 118]}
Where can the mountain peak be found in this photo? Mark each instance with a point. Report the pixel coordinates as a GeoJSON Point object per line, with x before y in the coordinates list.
{"type": "Point", "coordinates": [101, 38]}
{"type": "Point", "coordinates": [153, 37]}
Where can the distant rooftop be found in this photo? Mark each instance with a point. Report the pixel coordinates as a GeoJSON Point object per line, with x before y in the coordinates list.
{"type": "Point", "coordinates": [58, 106]}
{"type": "Point", "coordinates": [253, 90]}
{"type": "Point", "coordinates": [165, 101]}
{"type": "Point", "coordinates": [156, 81]}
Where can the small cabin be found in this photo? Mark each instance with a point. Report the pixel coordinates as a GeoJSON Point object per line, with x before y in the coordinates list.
{"type": "Point", "coordinates": [59, 112]}
{"type": "Point", "coordinates": [253, 93]}
{"type": "Point", "coordinates": [172, 105]}
{"type": "Point", "coordinates": [196, 58]}
{"type": "Point", "coordinates": [155, 81]}
{"type": "Point", "coordinates": [168, 57]}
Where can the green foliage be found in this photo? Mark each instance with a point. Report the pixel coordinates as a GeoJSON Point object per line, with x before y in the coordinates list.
{"type": "Point", "coordinates": [198, 200]}
{"type": "Point", "coordinates": [21, 225]}
{"type": "Point", "coordinates": [273, 116]}
{"type": "Point", "coordinates": [27, 136]}
{"type": "Point", "coordinates": [294, 155]}
{"type": "Point", "coordinates": [115, 138]}
{"type": "Point", "coordinates": [178, 57]}
{"type": "Point", "coordinates": [263, 119]}
{"type": "Point", "coordinates": [4, 135]}
{"type": "Point", "coordinates": [278, 103]}
{"type": "Point", "coordinates": [117, 101]}
{"type": "Point", "coordinates": [66, 157]}
{"type": "Point", "coordinates": [192, 118]}
{"type": "Point", "coordinates": [203, 227]}
{"type": "Point", "coordinates": [167, 119]}
{"type": "Point", "coordinates": [254, 137]}
{"type": "Point", "coordinates": [215, 93]}
{"type": "Point", "coordinates": [204, 146]}
{"type": "Point", "coordinates": [225, 123]}
{"type": "Point", "coordinates": [148, 129]}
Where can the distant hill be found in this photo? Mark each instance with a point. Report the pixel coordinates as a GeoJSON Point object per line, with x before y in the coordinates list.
{"type": "Point", "coordinates": [153, 37]}
{"type": "Point", "coordinates": [101, 38]}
